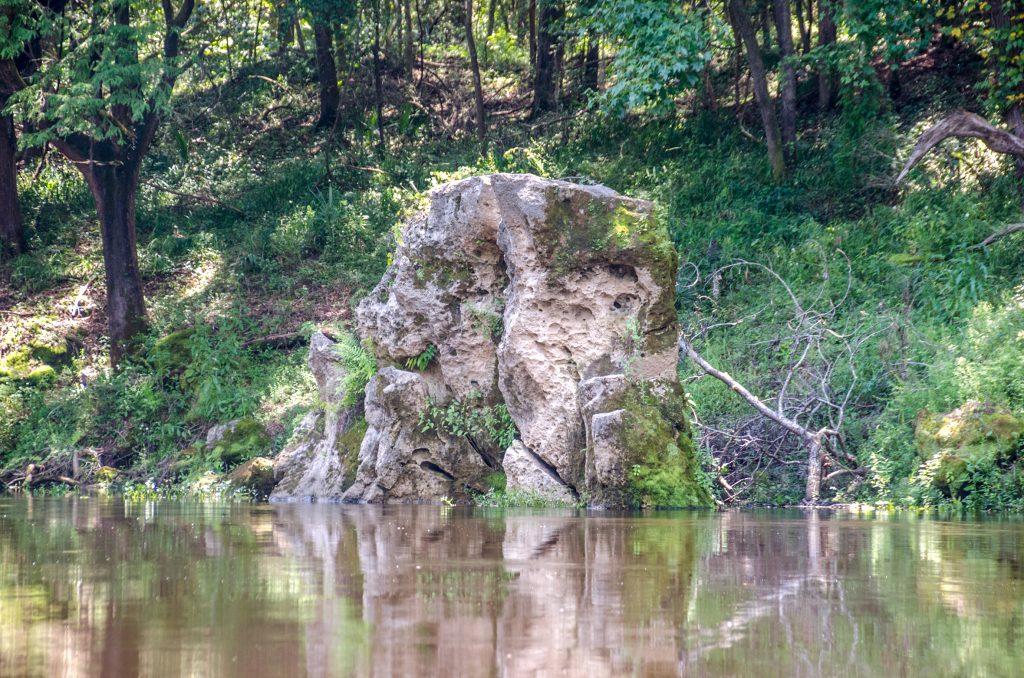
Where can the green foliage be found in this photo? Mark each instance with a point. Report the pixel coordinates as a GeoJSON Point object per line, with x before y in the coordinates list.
{"type": "Point", "coordinates": [422, 361]}
{"type": "Point", "coordinates": [660, 50]}
{"type": "Point", "coordinates": [470, 417]}
{"type": "Point", "coordinates": [511, 499]}
{"type": "Point", "coordinates": [360, 364]}
{"type": "Point", "coordinates": [113, 78]}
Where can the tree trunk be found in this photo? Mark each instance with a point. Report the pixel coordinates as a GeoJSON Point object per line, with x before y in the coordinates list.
{"type": "Point", "coordinates": [1008, 54]}
{"type": "Point", "coordinates": [478, 92]}
{"type": "Point", "coordinates": [408, 53]}
{"type": "Point", "coordinates": [327, 72]}
{"type": "Point", "coordinates": [285, 32]}
{"type": "Point", "coordinates": [12, 234]}
{"type": "Point", "coordinates": [378, 86]}
{"type": "Point", "coordinates": [113, 187]}
{"type": "Point", "coordinates": [745, 31]}
{"type": "Point", "coordinates": [805, 34]}
{"type": "Point", "coordinates": [812, 488]}
{"type": "Point", "coordinates": [532, 20]}
{"type": "Point", "coordinates": [592, 64]}
{"type": "Point", "coordinates": [491, 9]}
{"type": "Point", "coordinates": [787, 91]}
{"type": "Point", "coordinates": [545, 81]}
{"type": "Point", "coordinates": [826, 36]}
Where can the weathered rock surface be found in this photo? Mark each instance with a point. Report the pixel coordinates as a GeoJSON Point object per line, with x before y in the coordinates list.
{"type": "Point", "coordinates": [319, 461]}
{"type": "Point", "coordinates": [522, 292]}
{"type": "Point", "coordinates": [525, 471]}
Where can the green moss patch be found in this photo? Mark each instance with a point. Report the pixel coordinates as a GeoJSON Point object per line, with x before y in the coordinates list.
{"type": "Point", "coordinates": [348, 449]}
{"type": "Point", "coordinates": [953, 445]}
{"type": "Point", "coordinates": [662, 468]}
{"type": "Point", "coordinates": [243, 440]}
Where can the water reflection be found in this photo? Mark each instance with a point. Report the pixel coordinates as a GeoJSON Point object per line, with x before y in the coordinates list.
{"type": "Point", "coordinates": [101, 588]}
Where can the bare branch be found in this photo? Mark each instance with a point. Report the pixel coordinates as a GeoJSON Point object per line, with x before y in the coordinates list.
{"type": "Point", "coordinates": [967, 125]}
{"type": "Point", "coordinates": [1012, 228]}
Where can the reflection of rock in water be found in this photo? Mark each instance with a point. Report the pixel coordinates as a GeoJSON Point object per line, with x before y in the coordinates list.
{"type": "Point", "coordinates": [510, 596]}
{"type": "Point", "coordinates": [594, 598]}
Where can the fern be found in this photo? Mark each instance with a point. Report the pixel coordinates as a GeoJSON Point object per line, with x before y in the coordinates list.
{"type": "Point", "coordinates": [360, 365]}
{"type": "Point", "coordinates": [422, 361]}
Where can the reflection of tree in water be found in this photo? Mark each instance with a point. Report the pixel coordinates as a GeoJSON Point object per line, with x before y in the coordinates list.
{"type": "Point", "coordinates": [90, 588]}
{"type": "Point", "coordinates": [856, 598]}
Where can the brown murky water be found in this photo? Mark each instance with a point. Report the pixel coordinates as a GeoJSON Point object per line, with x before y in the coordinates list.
{"type": "Point", "coordinates": [103, 588]}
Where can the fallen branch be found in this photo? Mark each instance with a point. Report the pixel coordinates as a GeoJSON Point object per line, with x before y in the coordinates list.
{"type": "Point", "coordinates": [966, 125]}
{"type": "Point", "coordinates": [202, 198]}
{"type": "Point", "coordinates": [814, 440]}
{"type": "Point", "coordinates": [1012, 228]}
{"type": "Point", "coordinates": [276, 341]}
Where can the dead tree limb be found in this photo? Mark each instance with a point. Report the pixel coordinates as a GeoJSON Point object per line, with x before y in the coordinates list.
{"type": "Point", "coordinates": [1012, 228]}
{"type": "Point", "coordinates": [814, 440]}
{"type": "Point", "coordinates": [964, 124]}
{"type": "Point", "coordinates": [201, 198]}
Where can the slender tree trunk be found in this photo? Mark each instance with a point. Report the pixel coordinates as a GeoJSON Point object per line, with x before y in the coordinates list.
{"type": "Point", "coordinates": [745, 31]}
{"type": "Point", "coordinates": [815, 460]}
{"type": "Point", "coordinates": [592, 64]}
{"type": "Point", "coordinates": [826, 36]}
{"type": "Point", "coordinates": [491, 9]}
{"type": "Point", "coordinates": [805, 35]}
{"type": "Point", "coordinates": [1005, 53]}
{"type": "Point", "coordinates": [787, 91]}
{"type": "Point", "coordinates": [478, 92]}
{"type": "Point", "coordinates": [327, 72]}
{"type": "Point", "coordinates": [12, 234]}
{"type": "Point", "coordinates": [113, 187]}
{"type": "Point", "coordinates": [532, 21]}
{"type": "Point", "coordinates": [378, 87]}
{"type": "Point", "coordinates": [545, 81]}
{"type": "Point", "coordinates": [285, 32]}
{"type": "Point", "coordinates": [408, 53]}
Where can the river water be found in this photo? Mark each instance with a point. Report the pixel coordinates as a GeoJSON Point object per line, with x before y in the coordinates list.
{"type": "Point", "coordinates": [98, 587]}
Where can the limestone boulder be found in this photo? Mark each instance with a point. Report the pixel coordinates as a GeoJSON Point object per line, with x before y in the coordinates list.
{"type": "Point", "coordinates": [256, 476]}
{"type": "Point", "coordinates": [400, 462]}
{"type": "Point", "coordinates": [549, 301]}
{"type": "Point", "coordinates": [525, 471]}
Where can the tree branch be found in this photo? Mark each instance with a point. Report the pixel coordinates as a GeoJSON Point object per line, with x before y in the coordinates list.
{"type": "Point", "coordinates": [1012, 228]}
{"type": "Point", "coordinates": [968, 125]}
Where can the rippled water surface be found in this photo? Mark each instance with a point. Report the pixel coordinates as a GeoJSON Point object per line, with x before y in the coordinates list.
{"type": "Point", "coordinates": [100, 588]}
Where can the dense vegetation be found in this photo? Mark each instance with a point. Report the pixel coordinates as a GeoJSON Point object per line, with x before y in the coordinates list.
{"type": "Point", "coordinates": [199, 186]}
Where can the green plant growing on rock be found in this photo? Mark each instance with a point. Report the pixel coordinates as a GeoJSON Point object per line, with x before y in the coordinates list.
{"type": "Point", "coordinates": [422, 361]}
{"type": "Point", "coordinates": [469, 417]}
{"type": "Point", "coordinates": [491, 322]}
{"type": "Point", "coordinates": [360, 363]}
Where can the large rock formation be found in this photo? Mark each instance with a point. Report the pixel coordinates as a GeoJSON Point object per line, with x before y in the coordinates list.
{"type": "Point", "coordinates": [514, 300]}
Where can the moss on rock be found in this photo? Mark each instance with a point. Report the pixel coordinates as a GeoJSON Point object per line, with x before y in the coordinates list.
{"type": "Point", "coordinates": [348, 449]}
{"type": "Point", "coordinates": [172, 353]}
{"type": "Point", "coordinates": [256, 476]}
{"type": "Point", "coordinates": [951, 444]}
{"type": "Point", "coordinates": [239, 441]}
{"type": "Point", "coordinates": [36, 363]}
{"type": "Point", "coordinates": [661, 468]}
